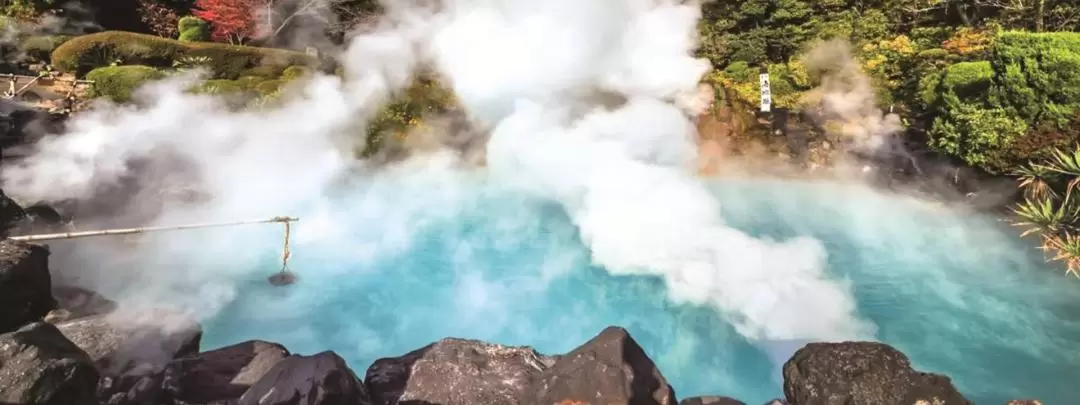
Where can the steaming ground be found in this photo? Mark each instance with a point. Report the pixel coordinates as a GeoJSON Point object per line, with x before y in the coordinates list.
{"type": "Point", "coordinates": [436, 254]}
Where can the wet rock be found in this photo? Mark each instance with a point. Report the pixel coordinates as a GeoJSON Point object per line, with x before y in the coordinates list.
{"type": "Point", "coordinates": [322, 379]}
{"type": "Point", "coordinates": [79, 302]}
{"type": "Point", "coordinates": [610, 369]}
{"type": "Point", "coordinates": [862, 373]}
{"type": "Point", "coordinates": [135, 343]}
{"type": "Point", "coordinates": [25, 284]}
{"type": "Point", "coordinates": [710, 400]}
{"type": "Point", "coordinates": [456, 372]}
{"type": "Point", "coordinates": [39, 366]}
{"type": "Point", "coordinates": [221, 374]}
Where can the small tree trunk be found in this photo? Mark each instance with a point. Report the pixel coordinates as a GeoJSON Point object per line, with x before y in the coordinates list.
{"type": "Point", "coordinates": [1040, 15]}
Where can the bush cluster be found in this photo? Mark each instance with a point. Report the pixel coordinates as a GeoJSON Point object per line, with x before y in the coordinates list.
{"type": "Point", "coordinates": [117, 83]}
{"type": "Point", "coordinates": [194, 29]}
{"type": "Point", "coordinates": [1015, 107]}
{"type": "Point", "coordinates": [82, 54]}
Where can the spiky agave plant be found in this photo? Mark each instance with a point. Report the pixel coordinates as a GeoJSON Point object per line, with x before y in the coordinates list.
{"type": "Point", "coordinates": [1054, 214]}
{"type": "Point", "coordinates": [1068, 165]}
{"type": "Point", "coordinates": [1046, 215]}
{"type": "Point", "coordinates": [1036, 179]}
{"type": "Point", "coordinates": [1067, 250]}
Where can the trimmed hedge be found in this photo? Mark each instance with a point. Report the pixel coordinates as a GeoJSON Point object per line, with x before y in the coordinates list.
{"type": "Point", "coordinates": [193, 29]}
{"type": "Point", "coordinates": [84, 53]}
{"type": "Point", "coordinates": [117, 83]}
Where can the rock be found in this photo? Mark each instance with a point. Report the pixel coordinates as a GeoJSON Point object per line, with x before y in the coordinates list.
{"type": "Point", "coordinates": [58, 316]}
{"type": "Point", "coordinates": [711, 401]}
{"type": "Point", "coordinates": [777, 402]}
{"type": "Point", "coordinates": [39, 366]}
{"type": "Point", "coordinates": [136, 343]}
{"type": "Point", "coordinates": [81, 303]}
{"type": "Point", "coordinates": [610, 369]}
{"type": "Point", "coordinates": [1024, 402]}
{"type": "Point", "coordinates": [25, 284]}
{"type": "Point", "coordinates": [322, 379]}
{"type": "Point", "coordinates": [10, 214]}
{"type": "Point", "coordinates": [222, 374]}
{"type": "Point", "coordinates": [862, 373]}
{"type": "Point", "coordinates": [132, 390]}
{"type": "Point", "coordinates": [456, 372]}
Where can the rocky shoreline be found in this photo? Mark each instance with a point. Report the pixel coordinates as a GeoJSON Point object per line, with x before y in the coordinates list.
{"type": "Point", "coordinates": [64, 345]}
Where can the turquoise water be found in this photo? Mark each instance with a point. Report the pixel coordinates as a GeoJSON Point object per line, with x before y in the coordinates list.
{"type": "Point", "coordinates": [402, 264]}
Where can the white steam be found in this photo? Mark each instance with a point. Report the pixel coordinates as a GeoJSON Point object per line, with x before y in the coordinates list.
{"type": "Point", "coordinates": [588, 104]}
{"type": "Point", "coordinates": [846, 96]}
{"type": "Point", "coordinates": [623, 173]}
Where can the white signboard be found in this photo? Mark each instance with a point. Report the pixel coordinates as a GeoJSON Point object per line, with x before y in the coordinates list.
{"type": "Point", "coordinates": [766, 94]}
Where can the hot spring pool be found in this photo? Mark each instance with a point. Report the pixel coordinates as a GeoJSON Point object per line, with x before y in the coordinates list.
{"type": "Point", "coordinates": [413, 262]}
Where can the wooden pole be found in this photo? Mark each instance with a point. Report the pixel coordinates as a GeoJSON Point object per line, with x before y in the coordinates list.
{"type": "Point", "coordinates": [130, 231]}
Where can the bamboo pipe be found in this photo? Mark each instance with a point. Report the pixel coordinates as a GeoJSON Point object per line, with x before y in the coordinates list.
{"type": "Point", "coordinates": [129, 231]}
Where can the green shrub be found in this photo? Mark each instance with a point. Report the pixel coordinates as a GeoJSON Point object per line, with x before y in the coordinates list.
{"type": "Point", "coordinates": [84, 53]}
{"type": "Point", "coordinates": [193, 29]}
{"type": "Point", "coordinates": [269, 87]}
{"type": "Point", "coordinates": [40, 47]}
{"type": "Point", "coordinates": [264, 71]}
{"type": "Point", "coordinates": [406, 111]}
{"type": "Point", "coordinates": [967, 81]}
{"type": "Point", "coordinates": [294, 72]}
{"type": "Point", "coordinates": [117, 83]}
{"type": "Point", "coordinates": [1011, 109]}
{"type": "Point", "coordinates": [740, 71]}
{"type": "Point", "coordinates": [980, 136]}
{"type": "Point", "coordinates": [1037, 75]}
{"type": "Point", "coordinates": [244, 87]}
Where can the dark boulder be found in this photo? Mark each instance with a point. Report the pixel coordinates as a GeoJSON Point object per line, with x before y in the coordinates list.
{"type": "Point", "coordinates": [221, 374]}
{"type": "Point", "coordinates": [135, 343]}
{"type": "Point", "coordinates": [456, 372]}
{"type": "Point", "coordinates": [711, 400]}
{"type": "Point", "coordinates": [322, 379]}
{"type": "Point", "coordinates": [862, 373]}
{"type": "Point", "coordinates": [25, 284]}
{"type": "Point", "coordinates": [610, 369]}
{"type": "Point", "coordinates": [39, 366]}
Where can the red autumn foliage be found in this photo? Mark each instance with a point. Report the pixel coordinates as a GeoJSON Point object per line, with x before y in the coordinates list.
{"type": "Point", "coordinates": [232, 20]}
{"type": "Point", "coordinates": [159, 18]}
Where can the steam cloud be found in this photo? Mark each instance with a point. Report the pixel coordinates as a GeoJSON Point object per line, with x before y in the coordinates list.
{"type": "Point", "coordinates": [588, 104]}
{"type": "Point", "coordinates": [847, 96]}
